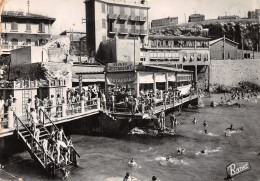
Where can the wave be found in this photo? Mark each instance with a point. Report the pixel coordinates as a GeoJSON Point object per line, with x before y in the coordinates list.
{"type": "Point", "coordinates": [171, 160]}
{"type": "Point", "coordinates": [208, 151]}
{"type": "Point", "coordinates": [146, 150]}
{"type": "Point", "coordinates": [209, 133]}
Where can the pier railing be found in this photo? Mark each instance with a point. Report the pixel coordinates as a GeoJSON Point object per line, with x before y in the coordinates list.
{"type": "Point", "coordinates": [145, 105]}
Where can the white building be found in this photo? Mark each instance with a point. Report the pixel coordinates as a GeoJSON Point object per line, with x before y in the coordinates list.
{"type": "Point", "coordinates": [23, 29]}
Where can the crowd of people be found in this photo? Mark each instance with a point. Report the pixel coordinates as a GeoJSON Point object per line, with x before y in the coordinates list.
{"type": "Point", "coordinates": [146, 101]}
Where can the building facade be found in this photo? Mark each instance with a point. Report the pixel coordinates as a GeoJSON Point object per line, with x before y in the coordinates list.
{"type": "Point", "coordinates": [24, 29]}
{"type": "Point", "coordinates": [254, 14]}
{"type": "Point", "coordinates": [229, 17]}
{"type": "Point", "coordinates": [164, 22]}
{"type": "Point", "coordinates": [106, 19]}
{"type": "Point", "coordinates": [196, 17]}
{"type": "Point", "coordinates": [223, 49]}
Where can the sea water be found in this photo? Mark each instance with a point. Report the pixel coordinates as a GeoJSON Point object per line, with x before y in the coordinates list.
{"type": "Point", "coordinates": [106, 159]}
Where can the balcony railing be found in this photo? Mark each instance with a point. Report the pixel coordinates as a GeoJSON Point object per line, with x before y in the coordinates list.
{"type": "Point", "coordinates": [134, 32]}
{"type": "Point", "coordinates": [122, 17]}
{"type": "Point", "coordinates": [143, 32]}
{"type": "Point", "coordinates": [132, 18]}
{"type": "Point", "coordinates": [143, 19]}
{"type": "Point", "coordinates": [123, 31]}
{"type": "Point", "coordinates": [12, 47]}
{"type": "Point", "coordinates": [113, 31]}
{"type": "Point", "coordinates": [112, 16]}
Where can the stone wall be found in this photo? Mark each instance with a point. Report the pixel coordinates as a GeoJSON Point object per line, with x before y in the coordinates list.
{"type": "Point", "coordinates": [231, 72]}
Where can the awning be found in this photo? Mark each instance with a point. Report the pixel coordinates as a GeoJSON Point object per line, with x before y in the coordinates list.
{"type": "Point", "coordinates": [89, 78]}
{"type": "Point", "coordinates": [184, 90]}
{"type": "Point", "coordinates": [146, 78]}
{"type": "Point", "coordinates": [171, 77]}
{"type": "Point", "coordinates": [160, 77]}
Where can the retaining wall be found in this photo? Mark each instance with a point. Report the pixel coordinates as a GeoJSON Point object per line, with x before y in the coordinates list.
{"type": "Point", "coordinates": [231, 72]}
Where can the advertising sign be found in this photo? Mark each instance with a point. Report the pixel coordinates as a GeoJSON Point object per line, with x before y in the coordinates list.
{"type": "Point", "coordinates": [120, 67]}
{"type": "Point", "coordinates": [234, 169]}
{"type": "Point", "coordinates": [121, 78]}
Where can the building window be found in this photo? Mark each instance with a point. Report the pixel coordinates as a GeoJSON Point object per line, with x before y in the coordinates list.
{"type": "Point", "coordinates": [111, 10]}
{"type": "Point", "coordinates": [103, 8]}
{"type": "Point", "coordinates": [103, 23]}
{"type": "Point", "coordinates": [14, 41]}
{"type": "Point", "coordinates": [28, 41]}
{"type": "Point", "coordinates": [28, 27]}
{"type": "Point", "coordinates": [14, 26]}
{"type": "Point", "coordinates": [41, 27]}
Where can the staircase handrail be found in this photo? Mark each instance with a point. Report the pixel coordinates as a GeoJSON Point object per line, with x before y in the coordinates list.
{"type": "Point", "coordinates": [55, 126]}
{"type": "Point", "coordinates": [17, 118]}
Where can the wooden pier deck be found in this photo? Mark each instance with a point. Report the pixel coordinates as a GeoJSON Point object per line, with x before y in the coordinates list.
{"type": "Point", "coordinates": [146, 115]}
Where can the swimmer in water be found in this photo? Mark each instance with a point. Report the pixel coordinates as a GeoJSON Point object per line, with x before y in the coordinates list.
{"type": "Point", "coordinates": [194, 121]}
{"type": "Point", "coordinates": [206, 131]}
{"type": "Point", "coordinates": [154, 178]}
{"type": "Point", "coordinates": [132, 163]}
{"type": "Point", "coordinates": [203, 151]}
{"type": "Point", "coordinates": [231, 128]}
{"type": "Point", "coordinates": [205, 124]}
{"type": "Point", "coordinates": [180, 151]}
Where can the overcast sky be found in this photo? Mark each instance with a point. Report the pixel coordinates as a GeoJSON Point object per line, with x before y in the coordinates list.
{"type": "Point", "coordinates": [69, 13]}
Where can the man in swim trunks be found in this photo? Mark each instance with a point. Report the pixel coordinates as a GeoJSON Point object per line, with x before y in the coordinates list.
{"type": "Point", "coordinates": [205, 124]}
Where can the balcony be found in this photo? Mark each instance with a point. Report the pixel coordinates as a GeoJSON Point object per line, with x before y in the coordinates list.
{"type": "Point", "coordinates": [112, 16]}
{"type": "Point", "coordinates": [123, 31]}
{"type": "Point", "coordinates": [143, 19]}
{"type": "Point", "coordinates": [132, 18]}
{"type": "Point", "coordinates": [113, 31]}
{"type": "Point", "coordinates": [134, 32]}
{"type": "Point", "coordinates": [122, 17]}
{"type": "Point", "coordinates": [143, 32]}
{"type": "Point", "coordinates": [6, 49]}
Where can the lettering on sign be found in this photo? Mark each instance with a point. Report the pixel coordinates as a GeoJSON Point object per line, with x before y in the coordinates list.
{"type": "Point", "coordinates": [234, 169]}
{"type": "Point", "coordinates": [121, 78]}
{"type": "Point", "coordinates": [120, 67]}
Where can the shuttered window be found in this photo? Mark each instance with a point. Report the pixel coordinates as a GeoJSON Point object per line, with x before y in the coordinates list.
{"type": "Point", "coordinates": [14, 26]}
{"type": "Point", "coordinates": [28, 27]}
{"type": "Point", "coordinates": [42, 27]}
{"type": "Point", "coordinates": [103, 23]}
{"type": "Point", "coordinates": [103, 8]}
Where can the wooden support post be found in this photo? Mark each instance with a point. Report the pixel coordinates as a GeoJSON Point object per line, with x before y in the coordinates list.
{"type": "Point", "coordinates": [166, 82]}
{"type": "Point", "coordinates": [64, 113]}
{"type": "Point", "coordinates": [137, 85]}
{"type": "Point", "coordinates": [154, 83]}
{"type": "Point", "coordinates": [10, 119]}
{"type": "Point", "coordinates": [98, 103]}
{"type": "Point", "coordinates": [82, 106]}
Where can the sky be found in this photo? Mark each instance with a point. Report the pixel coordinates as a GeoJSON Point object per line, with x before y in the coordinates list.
{"type": "Point", "coordinates": [69, 13]}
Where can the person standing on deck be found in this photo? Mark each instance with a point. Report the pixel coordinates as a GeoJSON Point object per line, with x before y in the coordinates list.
{"type": "Point", "coordinates": [172, 119]}
{"type": "Point", "coordinates": [113, 102]}
{"type": "Point", "coordinates": [2, 103]}
{"type": "Point", "coordinates": [162, 119]}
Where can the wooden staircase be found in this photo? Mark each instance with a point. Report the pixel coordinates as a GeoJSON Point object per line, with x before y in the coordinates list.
{"type": "Point", "coordinates": [43, 159]}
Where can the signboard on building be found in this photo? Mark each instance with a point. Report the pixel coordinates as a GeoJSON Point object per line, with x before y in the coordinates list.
{"type": "Point", "coordinates": [120, 67]}
{"type": "Point", "coordinates": [121, 78]}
